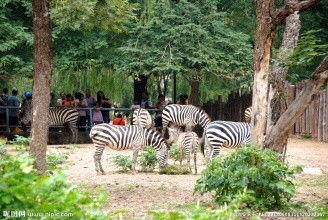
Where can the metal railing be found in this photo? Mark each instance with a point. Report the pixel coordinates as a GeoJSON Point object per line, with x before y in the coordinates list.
{"type": "Point", "coordinates": [89, 114]}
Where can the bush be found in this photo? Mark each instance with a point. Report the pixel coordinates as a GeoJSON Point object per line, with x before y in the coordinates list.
{"type": "Point", "coordinates": [123, 163]}
{"type": "Point", "coordinates": [175, 170]}
{"type": "Point", "coordinates": [54, 159]}
{"type": "Point", "coordinates": [266, 179]}
{"type": "Point", "coordinates": [21, 140]}
{"type": "Point", "coordinates": [22, 189]}
{"type": "Point", "coordinates": [175, 153]}
{"type": "Point", "coordinates": [148, 159]}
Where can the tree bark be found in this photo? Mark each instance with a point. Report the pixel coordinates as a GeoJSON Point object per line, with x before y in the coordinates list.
{"type": "Point", "coordinates": [276, 138]}
{"type": "Point", "coordinates": [267, 19]}
{"type": "Point", "coordinates": [194, 91]}
{"type": "Point", "coordinates": [41, 82]}
{"type": "Point", "coordinates": [277, 89]}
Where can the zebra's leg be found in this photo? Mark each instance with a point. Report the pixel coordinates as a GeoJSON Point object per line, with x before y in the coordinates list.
{"type": "Point", "coordinates": [134, 159]}
{"type": "Point", "coordinates": [74, 131]}
{"type": "Point", "coordinates": [188, 161]}
{"type": "Point", "coordinates": [97, 159]}
{"type": "Point", "coordinates": [195, 159]}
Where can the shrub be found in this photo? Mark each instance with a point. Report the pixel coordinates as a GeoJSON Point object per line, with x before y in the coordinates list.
{"type": "Point", "coordinates": [148, 159]}
{"type": "Point", "coordinates": [175, 170]}
{"type": "Point", "coordinates": [22, 189]}
{"type": "Point", "coordinates": [123, 163]}
{"type": "Point", "coordinates": [266, 179]}
{"type": "Point", "coordinates": [21, 140]}
{"type": "Point", "coordinates": [175, 153]}
{"type": "Point", "coordinates": [54, 159]}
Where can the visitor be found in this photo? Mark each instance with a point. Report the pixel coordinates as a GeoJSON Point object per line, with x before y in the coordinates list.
{"type": "Point", "coordinates": [69, 101]}
{"type": "Point", "coordinates": [161, 103]}
{"type": "Point", "coordinates": [14, 102]}
{"type": "Point", "coordinates": [26, 107]}
{"type": "Point", "coordinates": [81, 102]}
{"type": "Point", "coordinates": [119, 120]}
{"type": "Point", "coordinates": [183, 100]}
{"type": "Point", "coordinates": [145, 101]}
{"type": "Point", "coordinates": [4, 95]}
{"type": "Point", "coordinates": [97, 116]}
{"type": "Point", "coordinates": [135, 105]}
{"type": "Point", "coordinates": [104, 103]}
{"type": "Point", "coordinates": [91, 101]}
{"type": "Point", "coordinates": [3, 104]}
{"type": "Point", "coordinates": [60, 101]}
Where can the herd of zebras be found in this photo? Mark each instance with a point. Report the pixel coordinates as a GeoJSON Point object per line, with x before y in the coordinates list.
{"type": "Point", "coordinates": [141, 134]}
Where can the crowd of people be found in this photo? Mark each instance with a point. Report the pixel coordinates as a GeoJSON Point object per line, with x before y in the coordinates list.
{"type": "Point", "coordinates": [99, 104]}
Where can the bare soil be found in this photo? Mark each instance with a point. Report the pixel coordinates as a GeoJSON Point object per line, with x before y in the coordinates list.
{"type": "Point", "coordinates": [141, 192]}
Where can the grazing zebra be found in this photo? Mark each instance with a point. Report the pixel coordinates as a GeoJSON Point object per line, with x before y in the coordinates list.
{"type": "Point", "coordinates": [126, 137]}
{"type": "Point", "coordinates": [248, 114]}
{"type": "Point", "coordinates": [57, 117]}
{"type": "Point", "coordinates": [187, 142]}
{"type": "Point", "coordinates": [142, 118]}
{"type": "Point", "coordinates": [224, 133]}
{"type": "Point", "coordinates": [184, 115]}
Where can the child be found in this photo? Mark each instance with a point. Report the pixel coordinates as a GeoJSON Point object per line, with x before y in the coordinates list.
{"type": "Point", "coordinates": [119, 120]}
{"type": "Point", "coordinates": [97, 116]}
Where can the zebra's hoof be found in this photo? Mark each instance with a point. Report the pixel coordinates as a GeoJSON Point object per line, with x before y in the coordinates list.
{"type": "Point", "coordinates": [101, 173]}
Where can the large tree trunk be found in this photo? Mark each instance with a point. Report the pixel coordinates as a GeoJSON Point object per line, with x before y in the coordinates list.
{"type": "Point", "coordinates": [262, 55]}
{"type": "Point", "coordinates": [277, 98]}
{"type": "Point", "coordinates": [276, 138]}
{"type": "Point", "coordinates": [41, 82]}
{"type": "Point", "coordinates": [194, 91]}
{"type": "Point", "coordinates": [267, 19]}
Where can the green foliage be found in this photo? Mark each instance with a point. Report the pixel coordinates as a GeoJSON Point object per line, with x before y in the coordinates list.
{"type": "Point", "coordinates": [266, 179]}
{"type": "Point", "coordinates": [123, 163]}
{"type": "Point", "coordinates": [175, 170]}
{"type": "Point", "coordinates": [226, 212]}
{"type": "Point", "coordinates": [175, 153]}
{"type": "Point", "coordinates": [22, 189]}
{"type": "Point", "coordinates": [54, 159]}
{"type": "Point", "coordinates": [309, 50]}
{"type": "Point", "coordinates": [147, 159]}
{"type": "Point", "coordinates": [21, 140]}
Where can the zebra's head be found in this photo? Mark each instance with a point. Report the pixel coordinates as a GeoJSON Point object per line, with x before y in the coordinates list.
{"type": "Point", "coordinates": [156, 140]}
{"type": "Point", "coordinates": [162, 155]}
{"type": "Point", "coordinates": [203, 119]}
{"type": "Point", "coordinates": [173, 134]}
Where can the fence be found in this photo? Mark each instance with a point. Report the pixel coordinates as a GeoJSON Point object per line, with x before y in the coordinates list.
{"type": "Point", "coordinates": [312, 123]}
{"type": "Point", "coordinates": [5, 125]}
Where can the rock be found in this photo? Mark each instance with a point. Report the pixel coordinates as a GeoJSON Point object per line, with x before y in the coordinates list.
{"type": "Point", "coordinates": [312, 171]}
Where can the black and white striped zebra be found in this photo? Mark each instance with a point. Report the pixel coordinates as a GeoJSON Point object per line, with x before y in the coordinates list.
{"type": "Point", "coordinates": [248, 114]}
{"type": "Point", "coordinates": [187, 142]}
{"type": "Point", "coordinates": [57, 117]}
{"type": "Point", "coordinates": [127, 137]}
{"type": "Point", "coordinates": [142, 118]}
{"type": "Point", "coordinates": [224, 133]}
{"type": "Point", "coordinates": [184, 115]}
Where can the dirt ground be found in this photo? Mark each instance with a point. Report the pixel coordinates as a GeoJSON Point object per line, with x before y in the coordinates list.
{"type": "Point", "coordinates": [141, 192]}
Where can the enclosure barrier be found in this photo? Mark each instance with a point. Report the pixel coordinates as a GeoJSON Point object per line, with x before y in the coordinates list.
{"type": "Point", "coordinates": [5, 126]}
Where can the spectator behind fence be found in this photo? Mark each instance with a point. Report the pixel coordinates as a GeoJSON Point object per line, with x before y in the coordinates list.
{"type": "Point", "coordinates": [3, 103]}
{"type": "Point", "coordinates": [119, 120]}
{"type": "Point", "coordinates": [183, 100]}
{"type": "Point", "coordinates": [135, 104]}
{"type": "Point", "coordinates": [60, 101]}
{"type": "Point", "coordinates": [91, 102]}
{"type": "Point", "coordinates": [145, 101]}
{"type": "Point", "coordinates": [104, 103]}
{"type": "Point", "coordinates": [26, 116]}
{"type": "Point", "coordinates": [13, 101]}
{"type": "Point", "coordinates": [69, 101]}
{"type": "Point", "coordinates": [161, 103]}
{"type": "Point", "coordinates": [81, 102]}
{"type": "Point", "coordinates": [97, 115]}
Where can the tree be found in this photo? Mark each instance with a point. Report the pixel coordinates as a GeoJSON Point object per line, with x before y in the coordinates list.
{"type": "Point", "coordinates": [41, 83]}
{"type": "Point", "coordinates": [267, 20]}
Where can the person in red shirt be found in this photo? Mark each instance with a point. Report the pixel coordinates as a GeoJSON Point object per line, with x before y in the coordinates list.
{"type": "Point", "coordinates": [119, 120]}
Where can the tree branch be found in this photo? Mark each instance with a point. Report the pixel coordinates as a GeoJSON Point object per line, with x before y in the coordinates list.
{"type": "Point", "coordinates": [280, 14]}
{"type": "Point", "coordinates": [298, 106]}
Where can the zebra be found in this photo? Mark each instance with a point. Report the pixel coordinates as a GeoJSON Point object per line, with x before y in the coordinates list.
{"type": "Point", "coordinates": [57, 117]}
{"type": "Point", "coordinates": [224, 133]}
{"type": "Point", "coordinates": [187, 142]}
{"type": "Point", "coordinates": [126, 137]}
{"type": "Point", "coordinates": [184, 115]}
{"type": "Point", "coordinates": [142, 118]}
{"type": "Point", "coordinates": [248, 114]}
